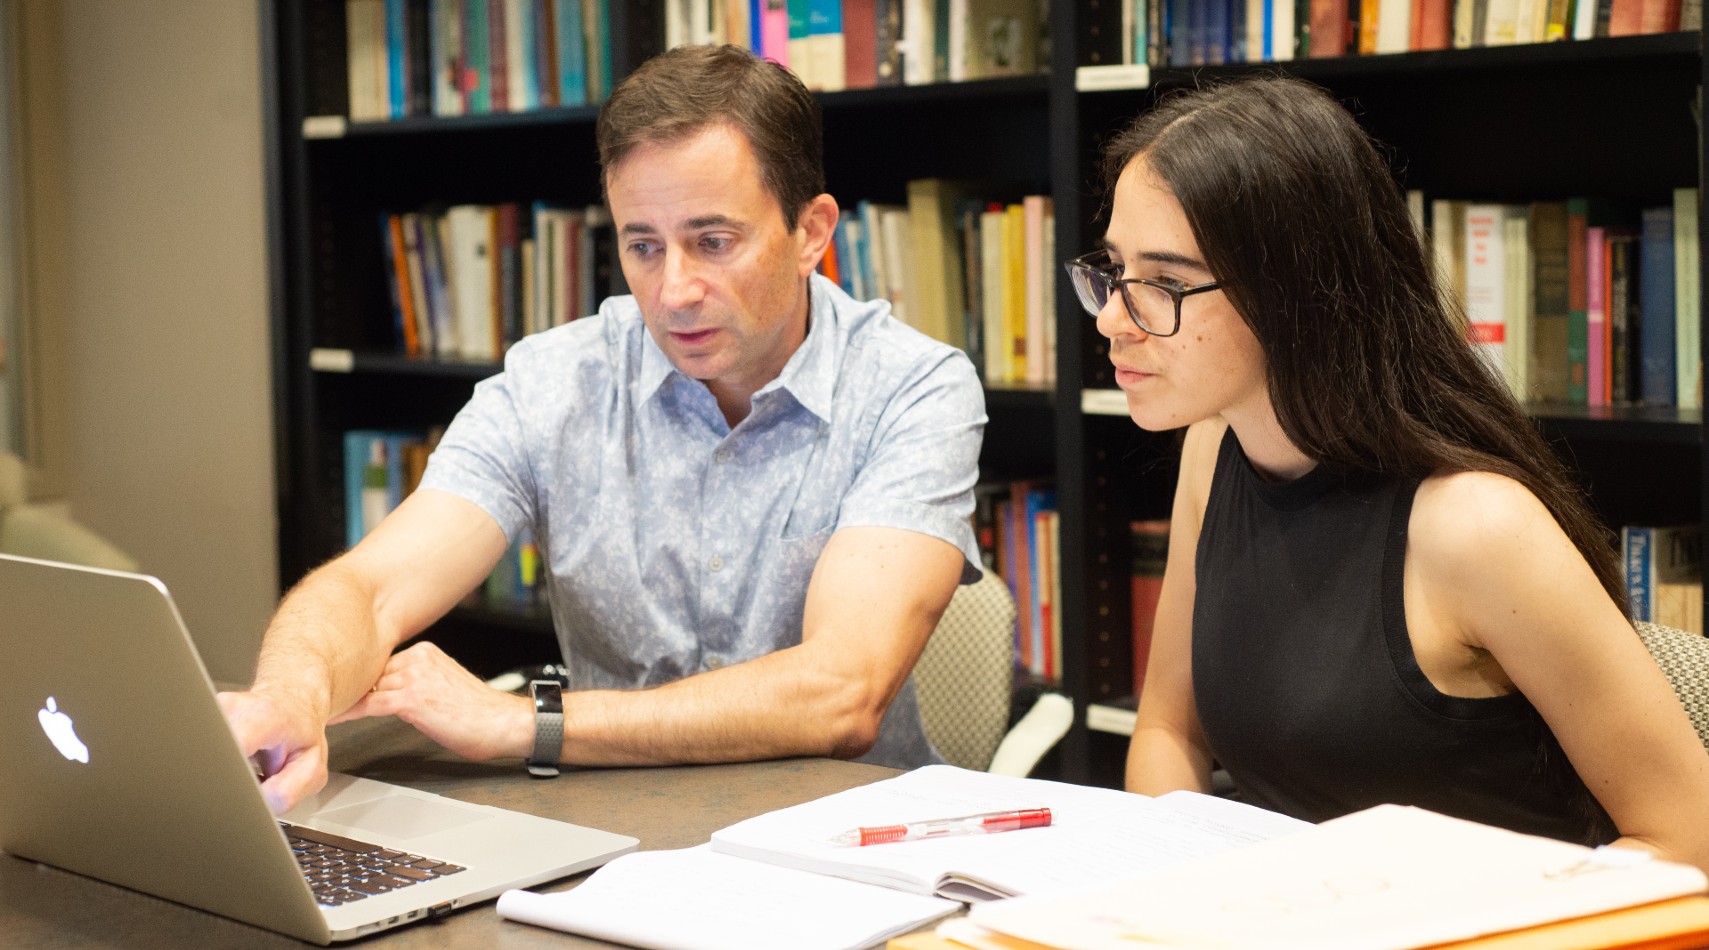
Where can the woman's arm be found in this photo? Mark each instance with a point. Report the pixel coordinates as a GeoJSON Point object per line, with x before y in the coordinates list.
{"type": "Point", "coordinates": [1168, 750]}
{"type": "Point", "coordinates": [1499, 573]}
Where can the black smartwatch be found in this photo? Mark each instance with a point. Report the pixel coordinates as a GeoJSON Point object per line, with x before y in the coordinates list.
{"type": "Point", "coordinates": [548, 728]}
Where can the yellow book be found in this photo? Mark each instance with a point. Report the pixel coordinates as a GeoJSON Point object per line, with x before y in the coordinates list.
{"type": "Point", "coordinates": [932, 204]}
{"type": "Point", "coordinates": [1015, 287]}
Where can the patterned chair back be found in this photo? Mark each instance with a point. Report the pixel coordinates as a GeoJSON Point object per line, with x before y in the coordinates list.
{"type": "Point", "coordinates": [966, 675]}
{"type": "Point", "coordinates": [1684, 659]}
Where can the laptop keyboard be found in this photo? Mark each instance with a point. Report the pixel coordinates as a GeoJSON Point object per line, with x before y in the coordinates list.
{"type": "Point", "coordinates": [340, 870]}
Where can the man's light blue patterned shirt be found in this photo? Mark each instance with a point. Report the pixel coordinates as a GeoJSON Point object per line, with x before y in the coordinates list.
{"type": "Point", "coordinates": [674, 544]}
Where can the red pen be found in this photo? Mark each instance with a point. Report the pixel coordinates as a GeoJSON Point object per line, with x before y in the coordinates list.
{"type": "Point", "coordinates": [988, 823]}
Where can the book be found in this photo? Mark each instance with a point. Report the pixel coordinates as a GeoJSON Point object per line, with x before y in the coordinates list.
{"type": "Point", "coordinates": [1550, 301]}
{"type": "Point", "coordinates": [1096, 835]}
{"type": "Point", "coordinates": [1657, 555]}
{"type": "Point", "coordinates": [1150, 544]}
{"type": "Point", "coordinates": [1622, 304]}
{"type": "Point", "coordinates": [715, 902]}
{"type": "Point", "coordinates": [1486, 284]}
{"type": "Point", "coordinates": [1688, 310]}
{"type": "Point", "coordinates": [1656, 336]}
{"type": "Point", "coordinates": [1388, 876]}
{"type": "Point", "coordinates": [935, 303]}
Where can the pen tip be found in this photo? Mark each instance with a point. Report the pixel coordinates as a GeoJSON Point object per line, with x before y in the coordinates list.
{"type": "Point", "coordinates": [846, 839]}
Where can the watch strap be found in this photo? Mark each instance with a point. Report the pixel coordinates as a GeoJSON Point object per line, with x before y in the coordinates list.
{"type": "Point", "coordinates": [548, 728]}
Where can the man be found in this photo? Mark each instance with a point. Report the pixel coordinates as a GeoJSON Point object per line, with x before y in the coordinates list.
{"type": "Point", "coordinates": [750, 491]}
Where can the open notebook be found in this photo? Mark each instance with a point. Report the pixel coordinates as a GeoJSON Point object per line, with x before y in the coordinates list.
{"type": "Point", "coordinates": [755, 886]}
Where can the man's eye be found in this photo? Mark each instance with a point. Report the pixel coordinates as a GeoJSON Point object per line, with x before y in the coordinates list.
{"type": "Point", "coordinates": [715, 244]}
{"type": "Point", "coordinates": [640, 248]}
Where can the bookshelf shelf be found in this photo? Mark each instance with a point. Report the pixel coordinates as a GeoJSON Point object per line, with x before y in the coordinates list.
{"type": "Point", "coordinates": [1609, 117]}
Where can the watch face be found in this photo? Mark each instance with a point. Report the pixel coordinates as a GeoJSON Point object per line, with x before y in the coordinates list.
{"type": "Point", "coordinates": [548, 696]}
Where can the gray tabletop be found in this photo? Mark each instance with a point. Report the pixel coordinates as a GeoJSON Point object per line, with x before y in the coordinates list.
{"type": "Point", "coordinates": [43, 907]}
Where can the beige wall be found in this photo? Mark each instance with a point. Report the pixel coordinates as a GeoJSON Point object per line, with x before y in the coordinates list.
{"type": "Point", "coordinates": [148, 256]}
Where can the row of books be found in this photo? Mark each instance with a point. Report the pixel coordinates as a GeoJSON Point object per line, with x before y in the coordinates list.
{"type": "Point", "coordinates": [974, 273]}
{"type": "Point", "coordinates": [469, 280]}
{"type": "Point", "coordinates": [1199, 32]}
{"type": "Point", "coordinates": [471, 57]}
{"type": "Point", "coordinates": [855, 44]}
{"type": "Point", "coordinates": [1584, 301]}
{"type": "Point", "coordinates": [1664, 574]}
{"type": "Point", "coordinates": [1016, 525]}
{"type": "Point", "coordinates": [383, 466]}
{"type": "Point", "coordinates": [466, 281]}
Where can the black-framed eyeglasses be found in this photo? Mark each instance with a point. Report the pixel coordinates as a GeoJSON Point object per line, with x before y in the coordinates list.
{"type": "Point", "coordinates": [1153, 305]}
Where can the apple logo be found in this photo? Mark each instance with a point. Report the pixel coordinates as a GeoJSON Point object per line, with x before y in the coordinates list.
{"type": "Point", "coordinates": [61, 732]}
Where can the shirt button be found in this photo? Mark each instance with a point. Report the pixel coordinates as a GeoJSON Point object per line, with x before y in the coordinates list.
{"type": "Point", "coordinates": [721, 456]}
{"type": "Point", "coordinates": [714, 662]}
{"type": "Point", "coordinates": [716, 564]}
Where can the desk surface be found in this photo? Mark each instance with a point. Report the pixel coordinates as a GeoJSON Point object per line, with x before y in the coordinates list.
{"type": "Point", "coordinates": [43, 907]}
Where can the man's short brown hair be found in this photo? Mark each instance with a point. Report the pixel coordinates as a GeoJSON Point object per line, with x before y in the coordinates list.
{"type": "Point", "coordinates": [683, 90]}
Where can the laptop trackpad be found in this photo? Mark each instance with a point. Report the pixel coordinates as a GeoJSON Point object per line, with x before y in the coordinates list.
{"type": "Point", "coordinates": [401, 816]}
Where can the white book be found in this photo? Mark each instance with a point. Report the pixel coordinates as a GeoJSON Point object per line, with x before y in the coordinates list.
{"type": "Point", "coordinates": [919, 31]}
{"type": "Point", "coordinates": [1688, 305]}
{"type": "Point", "coordinates": [1394, 26]}
{"type": "Point", "coordinates": [1096, 834]}
{"type": "Point", "coordinates": [1282, 31]}
{"type": "Point", "coordinates": [1486, 283]}
{"type": "Point", "coordinates": [471, 279]}
{"type": "Point", "coordinates": [1501, 25]}
{"type": "Point", "coordinates": [898, 263]}
{"type": "Point", "coordinates": [1516, 353]}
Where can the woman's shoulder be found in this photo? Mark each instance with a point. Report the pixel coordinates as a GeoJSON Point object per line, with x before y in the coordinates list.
{"type": "Point", "coordinates": [1462, 521]}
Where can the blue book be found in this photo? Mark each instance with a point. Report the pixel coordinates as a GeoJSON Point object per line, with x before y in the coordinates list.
{"type": "Point", "coordinates": [1656, 379]}
{"type": "Point", "coordinates": [397, 51]}
{"type": "Point", "coordinates": [756, 8]}
{"type": "Point", "coordinates": [572, 53]}
{"type": "Point", "coordinates": [358, 458]}
{"type": "Point", "coordinates": [1038, 501]}
{"type": "Point", "coordinates": [1180, 33]}
{"type": "Point", "coordinates": [1637, 547]}
{"type": "Point", "coordinates": [846, 263]}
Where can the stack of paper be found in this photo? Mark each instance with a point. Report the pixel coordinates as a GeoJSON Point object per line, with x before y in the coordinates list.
{"type": "Point", "coordinates": [1388, 878]}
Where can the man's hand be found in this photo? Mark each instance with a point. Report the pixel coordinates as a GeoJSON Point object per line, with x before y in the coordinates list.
{"type": "Point", "coordinates": [448, 704]}
{"type": "Point", "coordinates": [286, 741]}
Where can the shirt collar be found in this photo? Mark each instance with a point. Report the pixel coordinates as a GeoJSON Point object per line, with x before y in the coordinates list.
{"type": "Point", "coordinates": [809, 375]}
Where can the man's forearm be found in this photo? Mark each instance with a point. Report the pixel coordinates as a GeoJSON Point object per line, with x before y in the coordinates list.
{"type": "Point", "coordinates": [778, 705]}
{"type": "Point", "coordinates": [322, 645]}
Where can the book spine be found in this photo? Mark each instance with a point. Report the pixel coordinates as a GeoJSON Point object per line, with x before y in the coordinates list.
{"type": "Point", "coordinates": [1596, 316]}
{"type": "Point", "coordinates": [1656, 336]}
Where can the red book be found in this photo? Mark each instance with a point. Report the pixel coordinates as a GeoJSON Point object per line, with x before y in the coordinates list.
{"type": "Point", "coordinates": [1150, 553]}
{"type": "Point", "coordinates": [1329, 27]}
{"type": "Point", "coordinates": [860, 43]}
{"type": "Point", "coordinates": [498, 57]}
{"type": "Point", "coordinates": [1433, 26]}
{"type": "Point", "coordinates": [1658, 16]}
{"type": "Point", "coordinates": [1624, 17]}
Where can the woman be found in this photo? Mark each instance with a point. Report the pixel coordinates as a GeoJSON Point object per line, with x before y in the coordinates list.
{"type": "Point", "coordinates": [1382, 585]}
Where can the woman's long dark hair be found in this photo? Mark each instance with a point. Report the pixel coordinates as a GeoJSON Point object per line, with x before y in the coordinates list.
{"type": "Point", "coordinates": [1303, 223]}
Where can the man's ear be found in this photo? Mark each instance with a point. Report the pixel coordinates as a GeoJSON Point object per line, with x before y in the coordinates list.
{"type": "Point", "coordinates": [814, 229]}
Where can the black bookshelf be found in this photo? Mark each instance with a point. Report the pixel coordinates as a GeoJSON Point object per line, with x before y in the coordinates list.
{"type": "Point", "coordinates": [1616, 117]}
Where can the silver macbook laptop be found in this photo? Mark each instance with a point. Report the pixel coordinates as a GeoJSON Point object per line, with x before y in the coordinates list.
{"type": "Point", "coordinates": [119, 765]}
